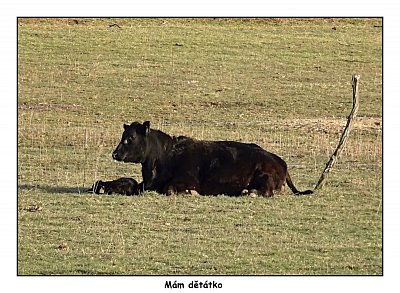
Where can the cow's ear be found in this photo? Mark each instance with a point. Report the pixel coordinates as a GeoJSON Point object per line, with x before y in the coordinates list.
{"type": "Point", "coordinates": [146, 127]}
{"type": "Point", "coordinates": [126, 126]}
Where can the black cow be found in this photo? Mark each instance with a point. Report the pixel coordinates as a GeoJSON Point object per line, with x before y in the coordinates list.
{"type": "Point", "coordinates": [209, 167]}
{"type": "Point", "coordinates": [126, 186]}
{"type": "Point", "coordinates": [149, 147]}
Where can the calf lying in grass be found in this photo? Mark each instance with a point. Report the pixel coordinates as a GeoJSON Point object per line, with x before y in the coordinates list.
{"type": "Point", "coordinates": [125, 186]}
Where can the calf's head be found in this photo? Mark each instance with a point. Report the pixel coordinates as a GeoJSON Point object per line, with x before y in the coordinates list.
{"type": "Point", "coordinates": [133, 145]}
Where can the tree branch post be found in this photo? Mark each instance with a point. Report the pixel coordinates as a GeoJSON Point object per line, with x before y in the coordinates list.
{"type": "Point", "coordinates": [345, 134]}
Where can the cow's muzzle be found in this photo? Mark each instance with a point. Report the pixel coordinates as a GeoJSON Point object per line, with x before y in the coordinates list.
{"type": "Point", "coordinates": [116, 156]}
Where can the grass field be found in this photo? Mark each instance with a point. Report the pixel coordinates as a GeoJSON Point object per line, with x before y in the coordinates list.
{"type": "Point", "coordinates": [284, 84]}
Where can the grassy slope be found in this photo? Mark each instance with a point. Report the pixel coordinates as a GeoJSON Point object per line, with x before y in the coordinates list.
{"type": "Point", "coordinates": [283, 84]}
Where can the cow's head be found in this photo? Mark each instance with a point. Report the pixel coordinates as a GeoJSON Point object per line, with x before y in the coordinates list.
{"type": "Point", "coordinates": [133, 145]}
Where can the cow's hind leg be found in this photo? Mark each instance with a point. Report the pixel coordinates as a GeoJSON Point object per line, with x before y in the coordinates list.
{"type": "Point", "coordinates": [262, 184]}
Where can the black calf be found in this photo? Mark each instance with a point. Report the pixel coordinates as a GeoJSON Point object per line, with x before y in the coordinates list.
{"type": "Point", "coordinates": [125, 186]}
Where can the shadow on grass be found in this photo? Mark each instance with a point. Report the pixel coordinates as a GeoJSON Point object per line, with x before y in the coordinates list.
{"type": "Point", "coordinates": [53, 189]}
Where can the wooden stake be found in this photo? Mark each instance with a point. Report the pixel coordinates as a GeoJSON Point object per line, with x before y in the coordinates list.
{"type": "Point", "coordinates": [344, 136]}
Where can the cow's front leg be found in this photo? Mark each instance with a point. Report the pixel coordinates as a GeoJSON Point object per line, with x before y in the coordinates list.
{"type": "Point", "coordinates": [139, 189]}
{"type": "Point", "coordinates": [149, 174]}
{"type": "Point", "coordinates": [184, 185]}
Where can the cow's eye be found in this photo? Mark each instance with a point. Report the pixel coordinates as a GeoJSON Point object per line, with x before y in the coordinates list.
{"type": "Point", "coordinates": [125, 141]}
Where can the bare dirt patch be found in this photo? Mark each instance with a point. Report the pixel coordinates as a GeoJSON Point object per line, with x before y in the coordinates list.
{"type": "Point", "coordinates": [47, 107]}
{"type": "Point", "coordinates": [335, 125]}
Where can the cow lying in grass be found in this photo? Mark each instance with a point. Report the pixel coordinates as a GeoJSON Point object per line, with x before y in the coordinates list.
{"type": "Point", "coordinates": [209, 167]}
{"type": "Point", "coordinates": [125, 186]}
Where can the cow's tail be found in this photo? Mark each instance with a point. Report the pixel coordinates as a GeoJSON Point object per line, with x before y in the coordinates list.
{"type": "Point", "coordinates": [294, 189]}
